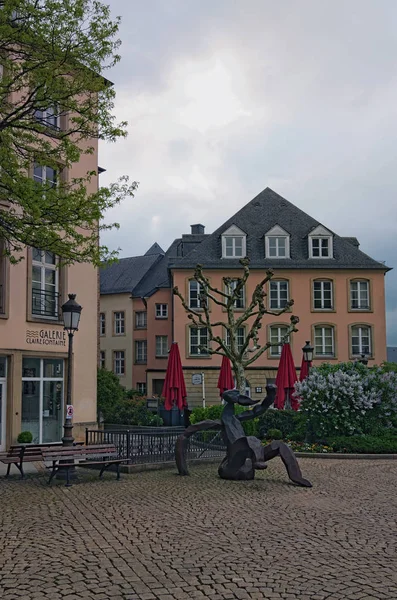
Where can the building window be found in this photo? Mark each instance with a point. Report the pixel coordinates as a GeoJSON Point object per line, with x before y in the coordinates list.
{"type": "Point", "coordinates": [119, 325]}
{"type": "Point", "coordinates": [198, 341]}
{"type": "Point", "coordinates": [141, 387]}
{"type": "Point", "coordinates": [279, 294]}
{"type": "Point", "coordinates": [361, 340]}
{"type": "Point", "coordinates": [233, 246]}
{"type": "Point", "coordinates": [322, 295]}
{"type": "Point", "coordinates": [48, 116]}
{"type": "Point", "coordinates": [277, 333]}
{"type": "Point", "coordinates": [161, 345]}
{"type": "Point", "coordinates": [45, 284]}
{"type": "Point", "coordinates": [3, 279]}
{"type": "Point", "coordinates": [42, 398]}
{"type": "Point", "coordinates": [320, 247]}
{"type": "Point", "coordinates": [141, 352]}
{"type": "Point", "coordinates": [277, 247]}
{"type": "Point", "coordinates": [102, 324]}
{"type": "Point", "coordinates": [324, 340]}
{"type": "Point", "coordinates": [195, 290]}
{"type": "Point", "coordinates": [102, 359]}
{"type": "Point", "coordinates": [119, 362]}
{"type": "Point", "coordinates": [141, 319]}
{"type": "Point", "coordinates": [161, 311]}
{"type": "Point", "coordinates": [240, 338]}
{"type": "Point", "coordinates": [229, 289]}
{"type": "Point", "coordinates": [45, 175]}
{"type": "Point", "coordinates": [359, 295]}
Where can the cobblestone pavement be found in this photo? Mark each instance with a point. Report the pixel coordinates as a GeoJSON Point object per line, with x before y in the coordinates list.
{"type": "Point", "coordinates": [157, 536]}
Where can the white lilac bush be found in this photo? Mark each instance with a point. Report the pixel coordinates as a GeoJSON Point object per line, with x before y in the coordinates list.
{"type": "Point", "coordinates": [348, 399]}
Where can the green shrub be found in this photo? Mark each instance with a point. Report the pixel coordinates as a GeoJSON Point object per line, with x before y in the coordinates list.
{"type": "Point", "coordinates": [365, 444]}
{"type": "Point", "coordinates": [286, 421]}
{"type": "Point", "coordinates": [274, 434]}
{"type": "Point", "coordinates": [25, 437]}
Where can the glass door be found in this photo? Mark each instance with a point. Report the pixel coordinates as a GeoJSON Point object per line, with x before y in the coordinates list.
{"type": "Point", "coordinates": [2, 417]}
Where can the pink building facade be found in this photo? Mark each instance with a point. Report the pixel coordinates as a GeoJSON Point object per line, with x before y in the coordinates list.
{"type": "Point", "coordinates": [338, 294]}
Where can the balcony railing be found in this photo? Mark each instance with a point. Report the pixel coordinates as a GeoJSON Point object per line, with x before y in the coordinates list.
{"type": "Point", "coordinates": [45, 304]}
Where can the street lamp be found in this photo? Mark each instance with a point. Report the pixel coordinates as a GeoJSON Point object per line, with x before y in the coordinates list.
{"type": "Point", "coordinates": [71, 312]}
{"type": "Point", "coordinates": [363, 360]}
{"type": "Point", "coordinates": [308, 352]}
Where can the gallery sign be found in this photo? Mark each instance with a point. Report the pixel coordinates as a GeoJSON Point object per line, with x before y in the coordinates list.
{"type": "Point", "coordinates": [45, 337]}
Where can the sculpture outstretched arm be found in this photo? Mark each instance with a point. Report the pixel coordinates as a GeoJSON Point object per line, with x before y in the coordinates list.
{"type": "Point", "coordinates": [259, 409]}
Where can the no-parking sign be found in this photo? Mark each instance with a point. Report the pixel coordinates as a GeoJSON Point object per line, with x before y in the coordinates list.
{"type": "Point", "coordinates": [69, 411]}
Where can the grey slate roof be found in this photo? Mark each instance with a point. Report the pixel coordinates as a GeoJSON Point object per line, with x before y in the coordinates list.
{"type": "Point", "coordinates": [124, 275]}
{"type": "Point", "coordinates": [154, 249]}
{"type": "Point", "coordinates": [256, 218]}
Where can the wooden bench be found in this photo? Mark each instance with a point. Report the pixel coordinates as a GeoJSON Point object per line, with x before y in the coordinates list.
{"type": "Point", "coordinates": [68, 457]}
{"type": "Point", "coordinates": [20, 453]}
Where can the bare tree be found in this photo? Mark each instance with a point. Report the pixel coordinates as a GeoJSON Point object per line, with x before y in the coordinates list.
{"type": "Point", "coordinates": [227, 345]}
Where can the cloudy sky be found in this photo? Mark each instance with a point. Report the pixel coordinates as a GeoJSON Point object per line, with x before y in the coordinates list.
{"type": "Point", "coordinates": [226, 97]}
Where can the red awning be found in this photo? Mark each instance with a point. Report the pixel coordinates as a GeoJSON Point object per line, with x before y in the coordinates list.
{"type": "Point", "coordinates": [174, 388]}
{"type": "Point", "coordinates": [304, 369]}
{"type": "Point", "coordinates": [225, 380]}
{"type": "Point", "coordinates": [286, 378]}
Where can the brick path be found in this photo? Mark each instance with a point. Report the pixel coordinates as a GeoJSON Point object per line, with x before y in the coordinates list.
{"type": "Point", "coordinates": [156, 536]}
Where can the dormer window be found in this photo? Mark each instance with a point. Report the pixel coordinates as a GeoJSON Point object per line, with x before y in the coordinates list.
{"type": "Point", "coordinates": [277, 243]}
{"type": "Point", "coordinates": [320, 243]}
{"type": "Point", "coordinates": [234, 243]}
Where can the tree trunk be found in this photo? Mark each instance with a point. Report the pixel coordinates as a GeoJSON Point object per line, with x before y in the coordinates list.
{"type": "Point", "coordinates": [240, 378]}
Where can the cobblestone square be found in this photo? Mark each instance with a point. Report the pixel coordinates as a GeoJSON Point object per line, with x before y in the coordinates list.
{"type": "Point", "coordinates": [157, 536]}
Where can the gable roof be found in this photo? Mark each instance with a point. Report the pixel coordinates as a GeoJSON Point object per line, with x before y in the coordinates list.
{"type": "Point", "coordinates": [123, 276]}
{"type": "Point", "coordinates": [154, 249]}
{"type": "Point", "coordinates": [258, 217]}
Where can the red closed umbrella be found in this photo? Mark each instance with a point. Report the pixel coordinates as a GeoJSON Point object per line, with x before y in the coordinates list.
{"type": "Point", "coordinates": [174, 388]}
{"type": "Point", "coordinates": [305, 366]}
{"type": "Point", "coordinates": [286, 378]}
{"type": "Point", "coordinates": [225, 380]}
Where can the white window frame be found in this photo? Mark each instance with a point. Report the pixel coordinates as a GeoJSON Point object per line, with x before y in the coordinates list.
{"type": "Point", "coordinates": [102, 359]}
{"type": "Point", "coordinates": [277, 233]}
{"type": "Point", "coordinates": [275, 351]}
{"type": "Point", "coordinates": [234, 233]}
{"type": "Point", "coordinates": [141, 352]}
{"type": "Point", "coordinates": [102, 324]}
{"type": "Point", "coordinates": [360, 339]}
{"type": "Point", "coordinates": [359, 283]}
{"type": "Point", "coordinates": [119, 322]}
{"type": "Point", "coordinates": [119, 362]}
{"type": "Point", "coordinates": [278, 283]}
{"type": "Point", "coordinates": [43, 178]}
{"type": "Point", "coordinates": [161, 311]}
{"type": "Point", "coordinates": [199, 286]}
{"type": "Point", "coordinates": [163, 346]}
{"type": "Point", "coordinates": [323, 336]}
{"type": "Point", "coordinates": [141, 315]}
{"type": "Point", "coordinates": [199, 343]}
{"type": "Point", "coordinates": [229, 289]}
{"type": "Point", "coordinates": [48, 113]}
{"type": "Point", "coordinates": [321, 233]}
{"type": "Point", "coordinates": [322, 295]}
{"type": "Point", "coordinates": [43, 266]}
{"type": "Point", "coordinates": [143, 389]}
{"type": "Point", "coordinates": [241, 336]}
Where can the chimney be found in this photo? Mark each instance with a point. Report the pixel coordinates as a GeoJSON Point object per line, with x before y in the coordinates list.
{"type": "Point", "coordinates": [197, 229]}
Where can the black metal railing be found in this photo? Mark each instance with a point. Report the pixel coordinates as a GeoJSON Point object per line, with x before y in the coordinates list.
{"type": "Point", "coordinates": [144, 445]}
{"type": "Point", "coordinates": [45, 303]}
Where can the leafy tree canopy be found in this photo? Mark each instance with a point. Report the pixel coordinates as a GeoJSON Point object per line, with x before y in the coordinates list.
{"type": "Point", "coordinates": [55, 104]}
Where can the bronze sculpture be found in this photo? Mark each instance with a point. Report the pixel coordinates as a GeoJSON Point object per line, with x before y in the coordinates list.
{"type": "Point", "coordinates": [244, 453]}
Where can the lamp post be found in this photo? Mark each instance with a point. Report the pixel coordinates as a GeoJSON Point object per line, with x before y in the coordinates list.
{"type": "Point", "coordinates": [308, 351]}
{"type": "Point", "coordinates": [363, 360]}
{"type": "Point", "coordinates": [71, 312]}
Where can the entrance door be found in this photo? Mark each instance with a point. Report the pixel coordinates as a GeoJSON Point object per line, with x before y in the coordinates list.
{"type": "Point", "coordinates": [2, 417]}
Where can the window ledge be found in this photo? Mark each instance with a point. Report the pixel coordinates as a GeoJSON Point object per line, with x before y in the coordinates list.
{"type": "Point", "coordinates": [199, 356]}
{"type": "Point", "coordinates": [161, 355]}
{"type": "Point", "coordinates": [323, 310]}
{"type": "Point", "coordinates": [360, 310]}
{"type": "Point", "coordinates": [141, 362]}
{"type": "Point", "coordinates": [43, 319]}
{"type": "Point", "coordinates": [139, 329]}
{"type": "Point", "coordinates": [165, 318]}
{"type": "Point", "coordinates": [119, 335]}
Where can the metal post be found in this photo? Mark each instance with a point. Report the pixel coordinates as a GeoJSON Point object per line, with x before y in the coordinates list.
{"type": "Point", "coordinates": [203, 382]}
{"type": "Point", "coordinates": [68, 438]}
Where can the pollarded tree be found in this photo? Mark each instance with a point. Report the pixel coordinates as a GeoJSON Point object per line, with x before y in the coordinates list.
{"type": "Point", "coordinates": [224, 334]}
{"type": "Point", "coordinates": [55, 103]}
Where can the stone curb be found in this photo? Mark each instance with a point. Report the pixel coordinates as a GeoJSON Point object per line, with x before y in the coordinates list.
{"type": "Point", "coordinates": [346, 456]}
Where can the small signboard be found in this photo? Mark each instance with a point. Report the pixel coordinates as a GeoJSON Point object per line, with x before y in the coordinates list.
{"type": "Point", "coordinates": [69, 411]}
{"type": "Point", "coordinates": [258, 390]}
{"type": "Point", "coordinates": [197, 379]}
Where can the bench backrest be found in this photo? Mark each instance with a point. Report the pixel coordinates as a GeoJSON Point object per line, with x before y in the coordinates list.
{"type": "Point", "coordinates": [80, 452]}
